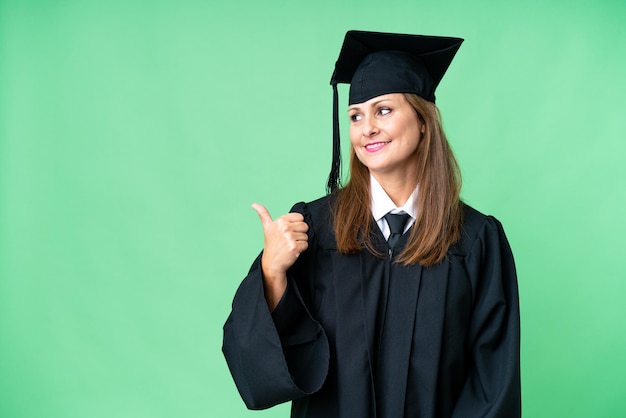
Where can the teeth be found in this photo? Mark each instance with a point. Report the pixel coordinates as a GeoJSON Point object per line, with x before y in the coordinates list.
{"type": "Point", "coordinates": [376, 144]}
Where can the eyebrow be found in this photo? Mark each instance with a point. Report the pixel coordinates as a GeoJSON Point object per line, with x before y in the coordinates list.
{"type": "Point", "coordinates": [372, 105]}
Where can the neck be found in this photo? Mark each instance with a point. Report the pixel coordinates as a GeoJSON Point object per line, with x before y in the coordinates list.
{"type": "Point", "coordinates": [398, 187]}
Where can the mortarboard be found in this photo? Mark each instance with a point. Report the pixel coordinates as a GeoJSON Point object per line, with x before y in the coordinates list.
{"type": "Point", "coordinates": [376, 63]}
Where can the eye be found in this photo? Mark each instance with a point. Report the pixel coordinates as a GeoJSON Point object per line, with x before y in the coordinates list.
{"type": "Point", "coordinates": [355, 117]}
{"type": "Point", "coordinates": [384, 111]}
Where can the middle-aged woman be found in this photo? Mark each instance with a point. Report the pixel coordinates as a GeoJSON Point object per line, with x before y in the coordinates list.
{"type": "Point", "coordinates": [389, 297]}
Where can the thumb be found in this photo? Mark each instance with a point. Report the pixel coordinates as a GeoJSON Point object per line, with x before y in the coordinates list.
{"type": "Point", "coordinates": [264, 215]}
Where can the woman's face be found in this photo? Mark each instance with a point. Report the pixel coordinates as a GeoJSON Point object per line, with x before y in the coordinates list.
{"type": "Point", "coordinates": [385, 132]}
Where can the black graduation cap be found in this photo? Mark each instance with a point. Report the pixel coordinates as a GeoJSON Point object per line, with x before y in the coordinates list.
{"type": "Point", "coordinates": [376, 63]}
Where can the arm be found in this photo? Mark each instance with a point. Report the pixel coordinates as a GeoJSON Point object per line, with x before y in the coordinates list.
{"type": "Point", "coordinates": [285, 239]}
{"type": "Point", "coordinates": [275, 356]}
{"type": "Point", "coordinates": [492, 388]}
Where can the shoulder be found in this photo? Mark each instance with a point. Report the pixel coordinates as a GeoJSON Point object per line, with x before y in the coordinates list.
{"type": "Point", "coordinates": [477, 228]}
{"type": "Point", "coordinates": [318, 214]}
{"type": "Point", "coordinates": [473, 221]}
{"type": "Point", "coordinates": [319, 210]}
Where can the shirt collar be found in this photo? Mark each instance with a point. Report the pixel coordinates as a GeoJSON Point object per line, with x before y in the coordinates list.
{"type": "Point", "coordinates": [382, 204]}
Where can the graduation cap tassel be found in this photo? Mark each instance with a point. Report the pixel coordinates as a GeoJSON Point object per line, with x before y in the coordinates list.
{"type": "Point", "coordinates": [335, 169]}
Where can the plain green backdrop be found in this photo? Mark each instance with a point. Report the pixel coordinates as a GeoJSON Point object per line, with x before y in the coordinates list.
{"type": "Point", "coordinates": [135, 135]}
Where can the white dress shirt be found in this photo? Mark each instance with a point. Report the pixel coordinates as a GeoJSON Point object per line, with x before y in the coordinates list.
{"type": "Point", "coordinates": [382, 205]}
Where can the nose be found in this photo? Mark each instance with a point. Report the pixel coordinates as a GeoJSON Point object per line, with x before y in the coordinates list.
{"type": "Point", "coordinates": [370, 128]}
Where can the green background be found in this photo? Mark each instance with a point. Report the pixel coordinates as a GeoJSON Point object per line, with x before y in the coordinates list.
{"type": "Point", "coordinates": [135, 135]}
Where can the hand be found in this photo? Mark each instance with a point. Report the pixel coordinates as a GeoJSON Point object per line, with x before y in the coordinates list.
{"type": "Point", "coordinates": [285, 239]}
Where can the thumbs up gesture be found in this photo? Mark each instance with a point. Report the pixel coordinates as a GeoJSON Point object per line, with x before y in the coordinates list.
{"type": "Point", "coordinates": [285, 239]}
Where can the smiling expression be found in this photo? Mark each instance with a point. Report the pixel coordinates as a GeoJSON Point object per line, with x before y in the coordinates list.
{"type": "Point", "coordinates": [385, 132]}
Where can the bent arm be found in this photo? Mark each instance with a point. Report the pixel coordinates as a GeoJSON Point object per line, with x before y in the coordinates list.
{"type": "Point", "coordinates": [279, 355]}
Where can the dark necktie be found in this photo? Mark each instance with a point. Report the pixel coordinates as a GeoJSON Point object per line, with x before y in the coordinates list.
{"type": "Point", "coordinates": [396, 226]}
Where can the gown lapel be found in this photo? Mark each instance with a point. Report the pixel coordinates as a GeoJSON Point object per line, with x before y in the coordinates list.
{"type": "Point", "coordinates": [354, 377]}
{"type": "Point", "coordinates": [427, 342]}
{"type": "Point", "coordinates": [396, 336]}
{"type": "Point", "coordinates": [376, 321]}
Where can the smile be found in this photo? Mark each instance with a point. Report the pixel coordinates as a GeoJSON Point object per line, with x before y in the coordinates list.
{"type": "Point", "coordinates": [375, 146]}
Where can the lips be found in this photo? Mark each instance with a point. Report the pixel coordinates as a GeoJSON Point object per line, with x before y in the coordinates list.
{"type": "Point", "coordinates": [375, 146]}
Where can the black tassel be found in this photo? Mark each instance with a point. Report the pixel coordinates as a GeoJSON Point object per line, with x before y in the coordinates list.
{"type": "Point", "coordinates": [335, 169]}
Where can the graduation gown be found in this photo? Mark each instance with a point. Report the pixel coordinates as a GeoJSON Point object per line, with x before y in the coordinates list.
{"type": "Point", "coordinates": [361, 336]}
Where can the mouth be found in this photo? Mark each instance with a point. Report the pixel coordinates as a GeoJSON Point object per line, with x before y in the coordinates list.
{"type": "Point", "coordinates": [375, 146]}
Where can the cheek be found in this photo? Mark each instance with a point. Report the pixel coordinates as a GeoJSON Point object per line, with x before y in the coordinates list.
{"type": "Point", "coordinates": [413, 139]}
{"type": "Point", "coordinates": [418, 140]}
{"type": "Point", "coordinates": [417, 133]}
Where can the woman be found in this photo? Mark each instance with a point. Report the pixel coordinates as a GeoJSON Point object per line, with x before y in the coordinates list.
{"type": "Point", "coordinates": [389, 297]}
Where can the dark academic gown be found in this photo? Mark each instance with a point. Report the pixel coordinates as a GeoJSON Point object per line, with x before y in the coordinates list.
{"type": "Point", "coordinates": [359, 336]}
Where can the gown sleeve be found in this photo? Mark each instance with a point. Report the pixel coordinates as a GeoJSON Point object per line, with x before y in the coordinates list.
{"type": "Point", "coordinates": [492, 388]}
{"type": "Point", "coordinates": [280, 356]}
